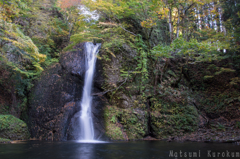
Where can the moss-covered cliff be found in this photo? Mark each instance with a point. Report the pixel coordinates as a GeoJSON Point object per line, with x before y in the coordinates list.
{"type": "Point", "coordinates": [182, 103]}
{"type": "Point", "coordinates": [12, 128]}
{"type": "Point", "coordinates": [133, 114]}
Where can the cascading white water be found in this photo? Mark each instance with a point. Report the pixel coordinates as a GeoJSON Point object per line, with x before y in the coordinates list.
{"type": "Point", "coordinates": [87, 131]}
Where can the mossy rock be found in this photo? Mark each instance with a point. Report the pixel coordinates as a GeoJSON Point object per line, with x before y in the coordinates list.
{"type": "Point", "coordinates": [135, 123]}
{"type": "Point", "coordinates": [171, 119]}
{"type": "Point", "coordinates": [2, 140]}
{"type": "Point", "coordinates": [124, 124]}
{"type": "Point", "coordinates": [13, 128]}
{"type": "Point", "coordinates": [113, 131]}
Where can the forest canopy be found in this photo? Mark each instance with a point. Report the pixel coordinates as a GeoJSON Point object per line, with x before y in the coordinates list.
{"type": "Point", "coordinates": [33, 34]}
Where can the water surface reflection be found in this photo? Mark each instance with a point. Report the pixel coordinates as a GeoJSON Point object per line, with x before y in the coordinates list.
{"type": "Point", "coordinates": [111, 150]}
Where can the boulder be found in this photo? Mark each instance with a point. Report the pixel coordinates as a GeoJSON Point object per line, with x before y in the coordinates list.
{"type": "Point", "coordinates": [12, 128]}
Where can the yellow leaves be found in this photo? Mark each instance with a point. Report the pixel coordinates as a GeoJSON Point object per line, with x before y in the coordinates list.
{"type": "Point", "coordinates": [106, 30]}
{"type": "Point", "coordinates": [214, 11]}
{"type": "Point", "coordinates": [108, 7]}
{"type": "Point", "coordinates": [148, 23]}
{"type": "Point", "coordinates": [78, 23]}
{"type": "Point", "coordinates": [200, 3]}
{"type": "Point", "coordinates": [27, 49]}
{"type": "Point", "coordinates": [235, 81]}
{"type": "Point", "coordinates": [107, 24]}
{"type": "Point", "coordinates": [162, 12]}
{"type": "Point", "coordinates": [109, 51]}
{"type": "Point", "coordinates": [9, 10]}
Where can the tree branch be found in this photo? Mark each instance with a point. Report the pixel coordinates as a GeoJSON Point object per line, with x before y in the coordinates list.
{"type": "Point", "coordinates": [102, 93]}
{"type": "Point", "coordinates": [128, 30]}
{"type": "Point", "coordinates": [124, 28]}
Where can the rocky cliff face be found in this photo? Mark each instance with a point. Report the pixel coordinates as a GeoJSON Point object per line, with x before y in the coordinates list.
{"type": "Point", "coordinates": [132, 115]}
{"type": "Point", "coordinates": [54, 103]}
{"type": "Point", "coordinates": [121, 114]}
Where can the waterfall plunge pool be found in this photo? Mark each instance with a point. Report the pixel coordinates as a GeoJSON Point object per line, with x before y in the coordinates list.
{"type": "Point", "coordinates": [116, 150]}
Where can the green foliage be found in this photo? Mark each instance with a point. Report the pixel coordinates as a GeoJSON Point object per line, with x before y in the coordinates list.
{"type": "Point", "coordinates": [113, 119]}
{"type": "Point", "coordinates": [4, 109]}
{"type": "Point", "coordinates": [220, 102]}
{"type": "Point", "coordinates": [142, 60]}
{"type": "Point", "coordinates": [51, 61]}
{"type": "Point", "coordinates": [13, 128]}
{"type": "Point", "coordinates": [232, 17]}
{"type": "Point", "coordinates": [15, 85]}
{"type": "Point", "coordinates": [32, 35]}
{"type": "Point", "coordinates": [193, 50]}
{"type": "Point", "coordinates": [2, 140]}
{"type": "Point", "coordinates": [220, 127]}
{"type": "Point", "coordinates": [24, 46]}
{"type": "Point", "coordinates": [162, 51]}
{"type": "Point", "coordinates": [134, 123]}
{"type": "Point", "coordinates": [125, 121]}
{"type": "Point", "coordinates": [207, 77]}
{"type": "Point", "coordinates": [163, 39]}
{"type": "Point", "coordinates": [112, 130]}
{"type": "Point", "coordinates": [235, 81]}
{"type": "Point", "coordinates": [167, 39]}
{"type": "Point", "coordinates": [237, 125]}
{"type": "Point", "coordinates": [222, 70]}
{"type": "Point", "coordinates": [78, 38]}
{"type": "Point", "coordinates": [170, 118]}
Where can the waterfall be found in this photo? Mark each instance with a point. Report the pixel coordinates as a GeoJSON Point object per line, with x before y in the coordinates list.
{"type": "Point", "coordinates": [86, 123]}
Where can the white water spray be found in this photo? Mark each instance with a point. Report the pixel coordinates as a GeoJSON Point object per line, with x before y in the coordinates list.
{"type": "Point", "coordinates": [87, 131]}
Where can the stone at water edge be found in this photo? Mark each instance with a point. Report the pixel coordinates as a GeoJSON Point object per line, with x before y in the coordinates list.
{"type": "Point", "coordinates": [13, 128]}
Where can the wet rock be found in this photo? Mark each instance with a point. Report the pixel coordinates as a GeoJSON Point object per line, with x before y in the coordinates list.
{"type": "Point", "coordinates": [125, 102]}
{"type": "Point", "coordinates": [74, 61]}
{"type": "Point", "coordinates": [98, 79]}
{"type": "Point", "coordinates": [98, 117]}
{"type": "Point", "coordinates": [73, 132]}
{"type": "Point", "coordinates": [54, 103]}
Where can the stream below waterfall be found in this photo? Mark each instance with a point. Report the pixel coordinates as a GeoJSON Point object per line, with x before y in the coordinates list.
{"type": "Point", "coordinates": [115, 150]}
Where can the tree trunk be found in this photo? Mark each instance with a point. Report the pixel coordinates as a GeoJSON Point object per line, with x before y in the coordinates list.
{"type": "Point", "coordinates": [178, 24]}
{"type": "Point", "coordinates": [170, 25]}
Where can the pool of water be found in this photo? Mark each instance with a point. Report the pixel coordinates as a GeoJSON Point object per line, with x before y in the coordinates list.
{"type": "Point", "coordinates": [118, 150]}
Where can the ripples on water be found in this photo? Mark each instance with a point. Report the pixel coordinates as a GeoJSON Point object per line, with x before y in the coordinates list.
{"type": "Point", "coordinates": [108, 150]}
